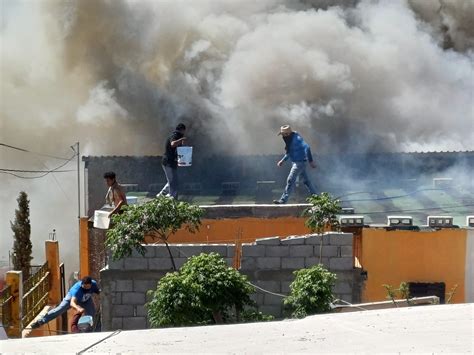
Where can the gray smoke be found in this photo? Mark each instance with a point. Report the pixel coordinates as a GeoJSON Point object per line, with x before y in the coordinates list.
{"type": "Point", "coordinates": [118, 75]}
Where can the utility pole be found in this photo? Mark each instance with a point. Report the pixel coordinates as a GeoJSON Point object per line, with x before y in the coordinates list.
{"type": "Point", "coordinates": [76, 150]}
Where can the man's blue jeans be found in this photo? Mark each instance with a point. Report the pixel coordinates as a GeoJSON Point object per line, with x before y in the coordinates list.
{"type": "Point", "coordinates": [297, 169]}
{"type": "Point", "coordinates": [64, 306]}
{"type": "Point", "coordinates": [171, 187]}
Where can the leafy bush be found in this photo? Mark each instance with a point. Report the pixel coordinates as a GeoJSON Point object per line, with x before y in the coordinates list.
{"type": "Point", "coordinates": [321, 215]}
{"type": "Point", "coordinates": [311, 292]}
{"type": "Point", "coordinates": [159, 218]}
{"type": "Point", "coordinates": [203, 291]}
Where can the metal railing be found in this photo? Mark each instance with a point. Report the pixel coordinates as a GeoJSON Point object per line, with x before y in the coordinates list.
{"type": "Point", "coordinates": [35, 294]}
{"type": "Point", "coordinates": [6, 299]}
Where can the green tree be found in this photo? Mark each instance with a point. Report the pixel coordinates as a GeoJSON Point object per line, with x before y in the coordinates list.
{"type": "Point", "coordinates": [205, 290]}
{"type": "Point", "coordinates": [321, 215]}
{"type": "Point", "coordinates": [310, 292]}
{"type": "Point", "coordinates": [159, 218]}
{"type": "Point", "coordinates": [22, 247]}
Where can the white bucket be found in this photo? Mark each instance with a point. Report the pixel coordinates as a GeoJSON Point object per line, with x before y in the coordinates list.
{"type": "Point", "coordinates": [101, 219]}
{"type": "Point", "coordinates": [132, 200]}
{"type": "Point", "coordinates": [185, 156]}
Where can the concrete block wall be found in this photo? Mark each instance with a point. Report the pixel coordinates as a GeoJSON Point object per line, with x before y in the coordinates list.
{"type": "Point", "coordinates": [125, 282]}
{"type": "Point", "coordinates": [270, 262]}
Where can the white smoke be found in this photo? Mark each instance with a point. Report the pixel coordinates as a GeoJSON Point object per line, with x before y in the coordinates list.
{"type": "Point", "coordinates": [118, 75]}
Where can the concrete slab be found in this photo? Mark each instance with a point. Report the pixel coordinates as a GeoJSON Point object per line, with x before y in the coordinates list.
{"type": "Point", "coordinates": [424, 329]}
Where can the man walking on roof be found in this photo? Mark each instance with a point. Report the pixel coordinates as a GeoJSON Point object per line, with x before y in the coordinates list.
{"type": "Point", "coordinates": [300, 153]}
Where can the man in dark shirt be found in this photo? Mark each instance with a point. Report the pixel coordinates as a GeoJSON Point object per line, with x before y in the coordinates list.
{"type": "Point", "coordinates": [170, 161]}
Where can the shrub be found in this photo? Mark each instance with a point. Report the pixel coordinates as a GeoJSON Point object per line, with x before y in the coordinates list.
{"type": "Point", "coordinates": [159, 218]}
{"type": "Point", "coordinates": [205, 290]}
{"type": "Point", "coordinates": [310, 292]}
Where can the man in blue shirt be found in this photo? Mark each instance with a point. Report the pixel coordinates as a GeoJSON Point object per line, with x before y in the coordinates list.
{"type": "Point", "coordinates": [299, 152]}
{"type": "Point", "coordinates": [79, 297]}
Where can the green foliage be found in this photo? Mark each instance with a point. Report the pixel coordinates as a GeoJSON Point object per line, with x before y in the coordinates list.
{"type": "Point", "coordinates": [251, 315]}
{"type": "Point", "coordinates": [322, 213]}
{"type": "Point", "coordinates": [403, 291]}
{"type": "Point", "coordinates": [203, 291]}
{"type": "Point", "coordinates": [22, 247]}
{"type": "Point", "coordinates": [160, 218]}
{"type": "Point", "coordinates": [311, 292]}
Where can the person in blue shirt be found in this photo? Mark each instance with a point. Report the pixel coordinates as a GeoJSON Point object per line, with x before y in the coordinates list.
{"type": "Point", "coordinates": [299, 152]}
{"type": "Point", "coordinates": [79, 297]}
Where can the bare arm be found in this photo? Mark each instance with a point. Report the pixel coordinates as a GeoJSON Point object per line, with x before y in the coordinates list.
{"type": "Point", "coordinates": [178, 142]}
{"type": "Point", "coordinates": [75, 305]}
{"type": "Point", "coordinates": [120, 203]}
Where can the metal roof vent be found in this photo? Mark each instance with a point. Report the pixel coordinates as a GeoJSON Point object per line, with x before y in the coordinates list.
{"type": "Point", "coordinates": [470, 221]}
{"type": "Point", "coordinates": [440, 221]}
{"type": "Point", "coordinates": [351, 221]}
{"type": "Point", "coordinates": [400, 221]}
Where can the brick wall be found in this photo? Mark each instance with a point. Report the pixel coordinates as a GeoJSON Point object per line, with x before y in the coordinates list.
{"type": "Point", "coordinates": [269, 263]}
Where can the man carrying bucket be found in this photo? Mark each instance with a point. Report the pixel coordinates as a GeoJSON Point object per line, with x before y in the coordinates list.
{"type": "Point", "coordinates": [299, 152]}
{"type": "Point", "coordinates": [115, 196]}
{"type": "Point", "coordinates": [170, 161]}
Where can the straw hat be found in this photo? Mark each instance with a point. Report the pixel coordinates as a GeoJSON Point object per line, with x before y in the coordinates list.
{"type": "Point", "coordinates": [285, 129]}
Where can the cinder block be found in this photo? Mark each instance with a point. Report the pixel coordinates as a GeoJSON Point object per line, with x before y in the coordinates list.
{"type": "Point", "coordinates": [131, 323]}
{"type": "Point", "coordinates": [136, 264]}
{"type": "Point", "coordinates": [116, 297]}
{"type": "Point", "coordinates": [116, 265]}
{"type": "Point", "coordinates": [116, 323]}
{"type": "Point", "coordinates": [342, 287]}
{"type": "Point", "coordinates": [122, 310]}
{"type": "Point", "coordinates": [346, 297]}
{"type": "Point", "coordinates": [215, 248]}
{"type": "Point", "coordinates": [293, 241]}
{"type": "Point", "coordinates": [161, 251]}
{"type": "Point", "coordinates": [163, 263]}
{"type": "Point", "coordinates": [230, 251]}
{"type": "Point", "coordinates": [149, 252]}
{"type": "Point", "coordinates": [272, 300]}
{"type": "Point", "coordinates": [253, 250]}
{"type": "Point", "coordinates": [111, 286]}
{"type": "Point", "coordinates": [229, 261]}
{"type": "Point", "coordinates": [329, 251]}
{"type": "Point", "coordinates": [144, 285]}
{"type": "Point", "coordinates": [277, 250]}
{"type": "Point", "coordinates": [343, 263]}
{"type": "Point", "coordinates": [285, 287]}
{"type": "Point", "coordinates": [292, 263]}
{"type": "Point", "coordinates": [346, 250]}
{"type": "Point", "coordinates": [179, 262]}
{"type": "Point", "coordinates": [272, 286]}
{"type": "Point", "coordinates": [340, 238]}
{"type": "Point", "coordinates": [187, 251]}
{"type": "Point", "coordinates": [248, 263]}
{"type": "Point", "coordinates": [258, 298]}
{"type": "Point", "coordinates": [315, 239]}
{"type": "Point", "coordinates": [268, 241]}
{"type": "Point", "coordinates": [133, 298]}
{"type": "Point", "coordinates": [141, 311]}
{"type": "Point", "coordinates": [311, 261]}
{"type": "Point", "coordinates": [124, 285]}
{"type": "Point", "coordinates": [301, 250]}
{"type": "Point", "coordinates": [268, 263]}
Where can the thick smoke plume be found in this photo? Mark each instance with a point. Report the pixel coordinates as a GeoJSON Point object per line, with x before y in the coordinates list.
{"type": "Point", "coordinates": [118, 75]}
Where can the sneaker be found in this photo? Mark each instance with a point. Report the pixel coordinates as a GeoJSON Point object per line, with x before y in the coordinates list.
{"type": "Point", "coordinates": [278, 202]}
{"type": "Point", "coordinates": [35, 325]}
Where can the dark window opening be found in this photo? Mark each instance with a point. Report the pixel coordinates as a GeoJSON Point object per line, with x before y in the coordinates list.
{"type": "Point", "coordinates": [423, 289]}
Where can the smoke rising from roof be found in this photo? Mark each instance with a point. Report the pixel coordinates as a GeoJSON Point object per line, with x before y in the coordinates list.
{"type": "Point", "coordinates": [118, 75]}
